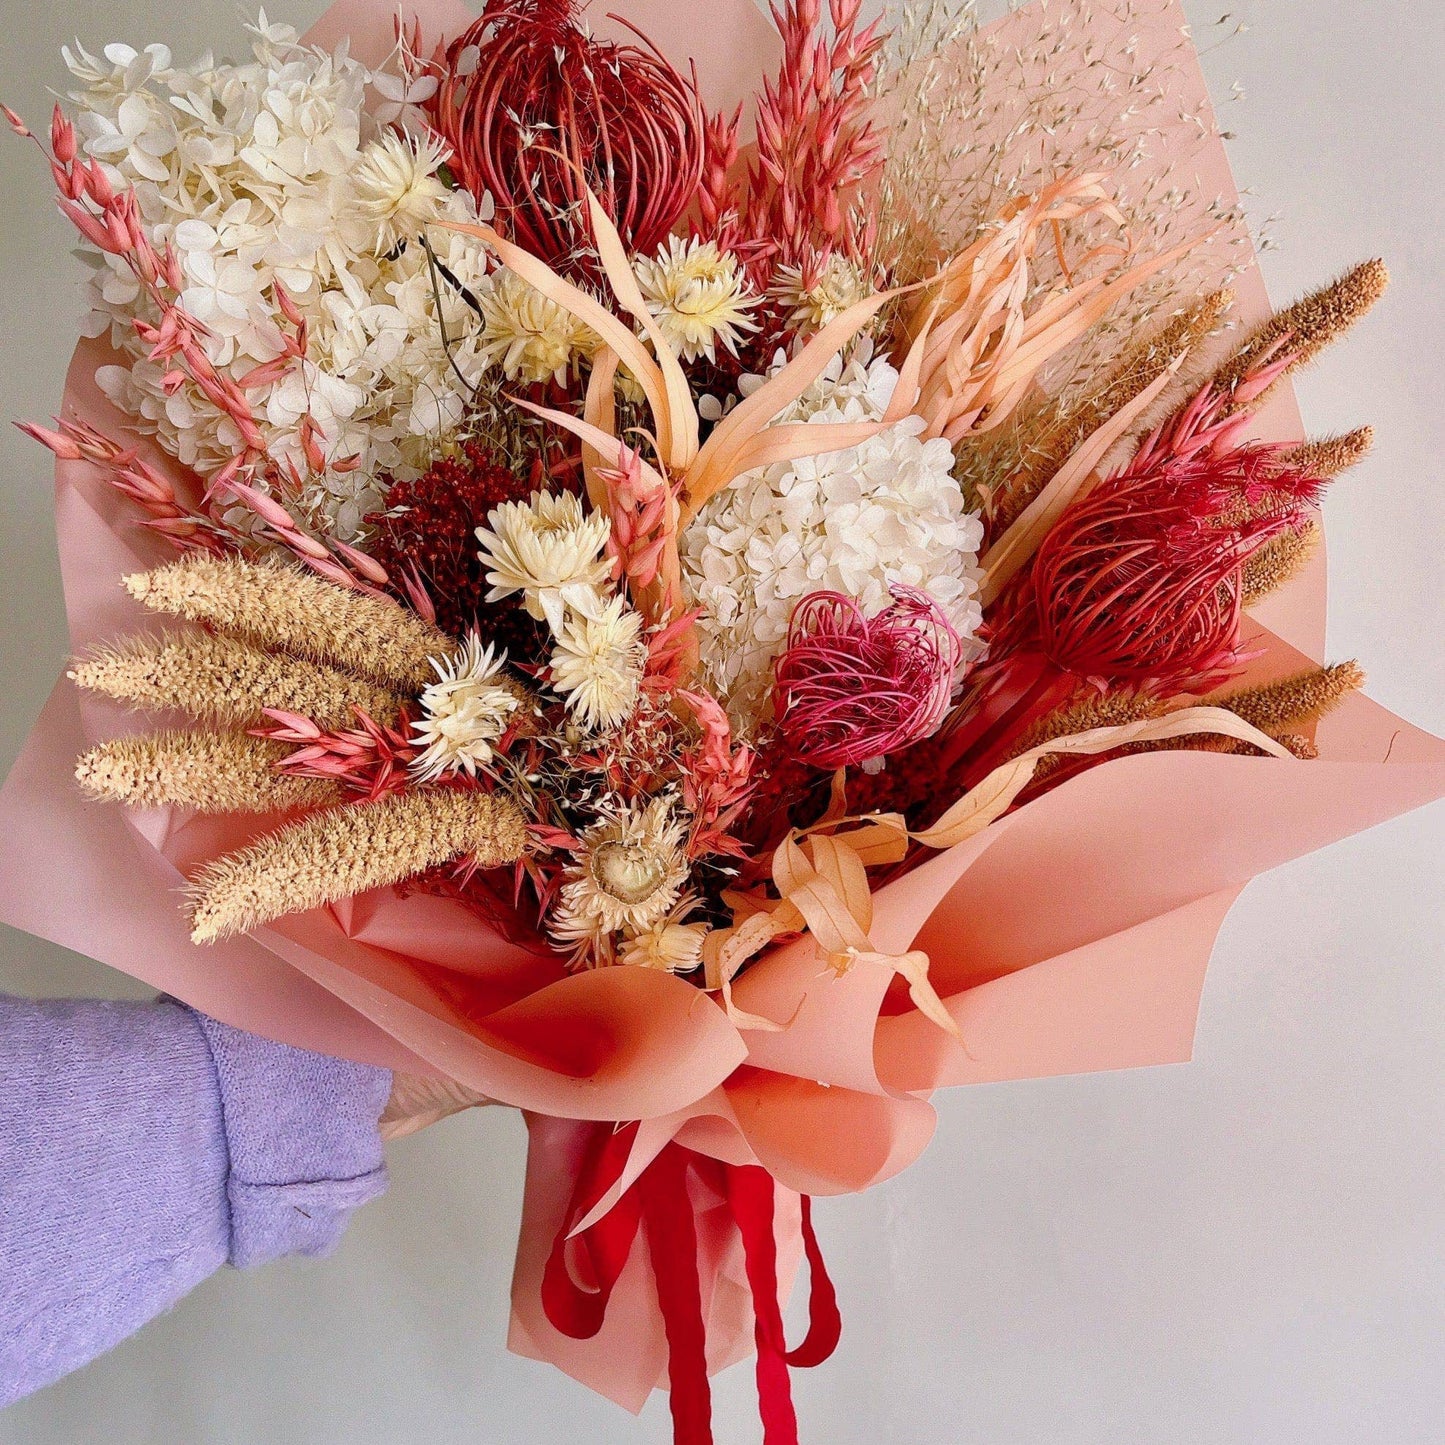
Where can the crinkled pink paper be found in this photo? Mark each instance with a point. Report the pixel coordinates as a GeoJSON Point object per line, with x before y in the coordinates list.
{"type": "Point", "coordinates": [1071, 936]}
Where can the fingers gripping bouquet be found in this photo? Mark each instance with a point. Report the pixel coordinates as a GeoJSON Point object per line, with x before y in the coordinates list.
{"type": "Point", "coordinates": [681, 603]}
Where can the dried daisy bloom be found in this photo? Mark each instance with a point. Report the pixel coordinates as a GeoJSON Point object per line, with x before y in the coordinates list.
{"type": "Point", "coordinates": [464, 712]}
{"type": "Point", "coordinates": [671, 946]}
{"type": "Point", "coordinates": [597, 664]}
{"type": "Point", "coordinates": [550, 551]}
{"type": "Point", "coordinates": [699, 295]}
{"type": "Point", "coordinates": [527, 334]}
{"type": "Point", "coordinates": [627, 878]}
{"type": "Point", "coordinates": [815, 297]}
{"type": "Point", "coordinates": [397, 187]}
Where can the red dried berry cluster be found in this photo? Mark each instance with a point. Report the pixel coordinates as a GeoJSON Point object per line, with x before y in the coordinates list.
{"type": "Point", "coordinates": [428, 530]}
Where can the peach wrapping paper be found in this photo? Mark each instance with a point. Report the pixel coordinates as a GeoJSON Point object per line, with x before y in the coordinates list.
{"type": "Point", "coordinates": [1043, 978]}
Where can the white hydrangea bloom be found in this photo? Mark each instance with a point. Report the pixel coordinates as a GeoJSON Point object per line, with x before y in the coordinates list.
{"type": "Point", "coordinates": [859, 521]}
{"type": "Point", "coordinates": [269, 171]}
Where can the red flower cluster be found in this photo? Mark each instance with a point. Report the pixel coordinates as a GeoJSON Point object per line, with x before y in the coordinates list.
{"type": "Point", "coordinates": [427, 536]}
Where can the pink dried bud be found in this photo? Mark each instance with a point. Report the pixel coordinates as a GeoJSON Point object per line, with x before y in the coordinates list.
{"type": "Point", "coordinates": [64, 447]}
{"type": "Point", "coordinates": [90, 227]}
{"type": "Point", "coordinates": [16, 124]}
{"type": "Point", "coordinates": [289, 308]}
{"type": "Point", "coordinates": [62, 137]}
{"type": "Point", "coordinates": [850, 688]}
{"type": "Point", "coordinates": [363, 565]}
{"type": "Point", "coordinates": [97, 184]}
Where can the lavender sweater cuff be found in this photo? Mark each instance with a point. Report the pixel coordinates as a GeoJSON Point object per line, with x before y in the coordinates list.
{"type": "Point", "coordinates": [301, 1139]}
{"type": "Point", "coordinates": [141, 1147]}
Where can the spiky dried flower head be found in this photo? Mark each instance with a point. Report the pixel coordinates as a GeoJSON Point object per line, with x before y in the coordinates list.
{"type": "Point", "coordinates": [534, 108]}
{"type": "Point", "coordinates": [598, 662]}
{"type": "Point", "coordinates": [347, 851]}
{"type": "Point", "coordinates": [550, 551]}
{"type": "Point", "coordinates": [527, 335]}
{"type": "Point", "coordinates": [211, 772]}
{"type": "Point", "coordinates": [1306, 328]}
{"type": "Point", "coordinates": [464, 712]}
{"type": "Point", "coordinates": [1139, 582]}
{"type": "Point", "coordinates": [850, 689]}
{"type": "Point", "coordinates": [225, 682]}
{"type": "Point", "coordinates": [628, 875]}
{"type": "Point", "coordinates": [1278, 562]}
{"type": "Point", "coordinates": [699, 294]}
{"type": "Point", "coordinates": [1330, 457]}
{"type": "Point", "coordinates": [1286, 704]}
{"type": "Point", "coordinates": [396, 185]}
{"type": "Point", "coordinates": [281, 607]}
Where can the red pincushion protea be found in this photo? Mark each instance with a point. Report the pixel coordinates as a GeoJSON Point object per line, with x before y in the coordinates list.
{"type": "Point", "coordinates": [850, 688]}
{"type": "Point", "coordinates": [532, 106]}
{"type": "Point", "coordinates": [1139, 583]}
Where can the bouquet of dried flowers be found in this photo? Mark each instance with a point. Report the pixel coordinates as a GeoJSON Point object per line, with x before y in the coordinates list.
{"type": "Point", "coordinates": [610, 575]}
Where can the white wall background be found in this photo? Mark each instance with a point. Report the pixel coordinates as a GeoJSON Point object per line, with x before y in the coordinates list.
{"type": "Point", "coordinates": [1247, 1249]}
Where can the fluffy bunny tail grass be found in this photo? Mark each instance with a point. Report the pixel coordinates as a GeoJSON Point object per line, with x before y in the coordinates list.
{"type": "Point", "coordinates": [338, 854]}
{"type": "Point", "coordinates": [209, 771]}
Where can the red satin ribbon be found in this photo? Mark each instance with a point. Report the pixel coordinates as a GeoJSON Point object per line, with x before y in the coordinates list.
{"type": "Point", "coordinates": [580, 1274]}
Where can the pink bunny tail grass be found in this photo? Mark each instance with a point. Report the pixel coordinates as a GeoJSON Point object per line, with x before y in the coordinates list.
{"type": "Point", "coordinates": [851, 688]}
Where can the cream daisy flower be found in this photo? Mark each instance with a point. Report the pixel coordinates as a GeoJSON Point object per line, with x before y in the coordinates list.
{"type": "Point", "coordinates": [397, 186]}
{"type": "Point", "coordinates": [627, 878]}
{"type": "Point", "coordinates": [824, 295]}
{"type": "Point", "coordinates": [699, 295]}
{"type": "Point", "coordinates": [529, 336]}
{"type": "Point", "coordinates": [550, 551]}
{"type": "Point", "coordinates": [670, 946]}
{"type": "Point", "coordinates": [597, 664]}
{"type": "Point", "coordinates": [463, 713]}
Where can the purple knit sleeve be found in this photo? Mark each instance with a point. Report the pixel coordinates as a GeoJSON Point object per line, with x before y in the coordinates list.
{"type": "Point", "coordinates": [141, 1147]}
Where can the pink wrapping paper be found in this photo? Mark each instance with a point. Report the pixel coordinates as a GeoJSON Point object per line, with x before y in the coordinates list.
{"type": "Point", "coordinates": [1069, 937]}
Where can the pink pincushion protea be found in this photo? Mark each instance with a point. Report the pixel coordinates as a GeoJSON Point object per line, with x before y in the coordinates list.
{"type": "Point", "coordinates": [851, 688]}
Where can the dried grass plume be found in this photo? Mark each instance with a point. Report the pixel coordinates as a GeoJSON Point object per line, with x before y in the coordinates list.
{"type": "Point", "coordinates": [289, 610]}
{"type": "Point", "coordinates": [347, 851]}
{"type": "Point", "coordinates": [209, 771]}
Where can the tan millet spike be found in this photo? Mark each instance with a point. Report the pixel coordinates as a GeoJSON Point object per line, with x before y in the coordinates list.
{"type": "Point", "coordinates": [208, 771]}
{"type": "Point", "coordinates": [1330, 457]}
{"type": "Point", "coordinates": [1278, 562]}
{"type": "Point", "coordinates": [1310, 325]}
{"type": "Point", "coordinates": [346, 851]}
{"type": "Point", "coordinates": [290, 610]}
{"type": "Point", "coordinates": [1279, 707]}
{"type": "Point", "coordinates": [227, 683]}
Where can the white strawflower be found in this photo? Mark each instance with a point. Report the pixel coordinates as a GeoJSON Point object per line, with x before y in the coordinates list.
{"type": "Point", "coordinates": [463, 713]}
{"type": "Point", "coordinates": [670, 946]}
{"type": "Point", "coordinates": [858, 522]}
{"type": "Point", "coordinates": [397, 186]}
{"type": "Point", "coordinates": [699, 295]}
{"type": "Point", "coordinates": [597, 664]}
{"type": "Point", "coordinates": [529, 335]}
{"type": "Point", "coordinates": [628, 876]}
{"type": "Point", "coordinates": [814, 299]}
{"type": "Point", "coordinates": [550, 551]}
